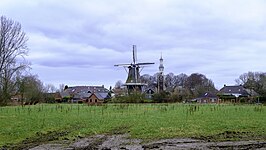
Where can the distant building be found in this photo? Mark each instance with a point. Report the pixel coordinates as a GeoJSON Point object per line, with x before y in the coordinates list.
{"type": "Point", "coordinates": [233, 93]}
{"type": "Point", "coordinates": [89, 94]}
{"type": "Point", "coordinates": [208, 98]}
{"type": "Point", "coordinates": [96, 98]}
{"type": "Point", "coordinates": [149, 91]}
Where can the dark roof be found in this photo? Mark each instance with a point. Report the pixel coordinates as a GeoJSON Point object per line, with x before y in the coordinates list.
{"type": "Point", "coordinates": [83, 92]}
{"type": "Point", "coordinates": [150, 91]}
{"type": "Point", "coordinates": [233, 90]}
{"type": "Point", "coordinates": [153, 88]}
{"type": "Point", "coordinates": [85, 95]}
{"type": "Point", "coordinates": [87, 89]}
{"type": "Point", "coordinates": [64, 94]}
{"type": "Point", "coordinates": [208, 95]}
{"type": "Point", "coordinates": [101, 96]}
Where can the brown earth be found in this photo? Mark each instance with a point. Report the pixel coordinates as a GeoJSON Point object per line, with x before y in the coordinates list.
{"type": "Point", "coordinates": [123, 142]}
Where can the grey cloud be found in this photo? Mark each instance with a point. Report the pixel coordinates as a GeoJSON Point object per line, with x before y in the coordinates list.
{"type": "Point", "coordinates": [222, 39]}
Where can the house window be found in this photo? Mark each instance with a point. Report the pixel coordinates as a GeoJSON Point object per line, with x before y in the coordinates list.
{"type": "Point", "coordinates": [90, 100]}
{"type": "Point", "coordinates": [95, 100]}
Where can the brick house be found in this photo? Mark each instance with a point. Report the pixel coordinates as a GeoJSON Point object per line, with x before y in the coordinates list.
{"type": "Point", "coordinates": [88, 94]}
{"type": "Point", "coordinates": [208, 98]}
{"type": "Point", "coordinates": [96, 98]}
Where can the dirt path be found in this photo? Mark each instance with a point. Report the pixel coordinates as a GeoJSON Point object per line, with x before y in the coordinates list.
{"type": "Point", "coordinates": [122, 142]}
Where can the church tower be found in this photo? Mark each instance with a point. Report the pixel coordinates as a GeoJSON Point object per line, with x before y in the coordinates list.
{"type": "Point", "coordinates": [160, 81]}
{"type": "Point", "coordinates": [161, 67]}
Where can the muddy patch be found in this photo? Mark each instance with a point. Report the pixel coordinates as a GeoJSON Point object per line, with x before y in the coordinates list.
{"type": "Point", "coordinates": [37, 140]}
{"type": "Point", "coordinates": [123, 142]}
{"type": "Point", "coordinates": [119, 139]}
{"type": "Point", "coordinates": [107, 142]}
{"type": "Point", "coordinates": [232, 136]}
{"type": "Point", "coordinates": [175, 144]}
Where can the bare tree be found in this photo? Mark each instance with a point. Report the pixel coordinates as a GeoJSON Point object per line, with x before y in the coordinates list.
{"type": "Point", "coordinates": [61, 87]}
{"type": "Point", "coordinates": [13, 49]}
{"type": "Point", "coordinates": [170, 80]}
{"type": "Point", "coordinates": [49, 88]}
{"type": "Point", "coordinates": [253, 81]}
{"type": "Point", "coordinates": [148, 79]}
{"type": "Point", "coordinates": [118, 84]}
{"type": "Point", "coordinates": [181, 79]}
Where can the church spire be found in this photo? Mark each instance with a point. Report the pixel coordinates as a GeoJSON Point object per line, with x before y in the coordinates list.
{"type": "Point", "coordinates": [161, 67]}
{"type": "Point", "coordinates": [160, 81]}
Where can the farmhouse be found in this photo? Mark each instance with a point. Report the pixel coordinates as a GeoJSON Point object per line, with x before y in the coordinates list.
{"type": "Point", "coordinates": [208, 98]}
{"type": "Point", "coordinates": [96, 98]}
{"type": "Point", "coordinates": [88, 94]}
{"type": "Point", "coordinates": [233, 93]}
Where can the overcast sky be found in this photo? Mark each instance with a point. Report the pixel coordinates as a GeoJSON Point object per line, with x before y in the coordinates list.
{"type": "Point", "coordinates": [77, 42]}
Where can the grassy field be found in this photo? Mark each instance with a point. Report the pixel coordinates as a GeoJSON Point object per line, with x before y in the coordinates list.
{"type": "Point", "coordinates": [145, 121]}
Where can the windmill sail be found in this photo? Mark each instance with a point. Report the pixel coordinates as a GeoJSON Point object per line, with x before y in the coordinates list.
{"type": "Point", "coordinates": [144, 64]}
{"type": "Point", "coordinates": [134, 55]}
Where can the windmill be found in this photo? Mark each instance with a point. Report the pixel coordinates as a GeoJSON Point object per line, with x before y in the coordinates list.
{"type": "Point", "coordinates": [133, 82]}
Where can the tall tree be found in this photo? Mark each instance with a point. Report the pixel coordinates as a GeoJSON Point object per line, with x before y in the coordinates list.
{"type": "Point", "coordinates": [170, 80]}
{"type": "Point", "coordinates": [249, 79]}
{"type": "Point", "coordinates": [50, 88]}
{"type": "Point", "coordinates": [148, 79]}
{"type": "Point", "coordinates": [198, 84]}
{"type": "Point", "coordinates": [31, 89]}
{"type": "Point", "coordinates": [61, 87]}
{"type": "Point", "coordinates": [253, 81]}
{"type": "Point", "coordinates": [13, 49]}
{"type": "Point", "coordinates": [181, 79]}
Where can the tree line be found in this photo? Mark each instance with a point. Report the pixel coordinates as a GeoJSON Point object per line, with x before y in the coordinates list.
{"type": "Point", "coordinates": [255, 81]}
{"type": "Point", "coordinates": [179, 87]}
{"type": "Point", "coordinates": [182, 87]}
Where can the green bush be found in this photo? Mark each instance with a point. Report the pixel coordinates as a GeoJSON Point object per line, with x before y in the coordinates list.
{"type": "Point", "coordinates": [162, 97]}
{"type": "Point", "coordinates": [131, 98]}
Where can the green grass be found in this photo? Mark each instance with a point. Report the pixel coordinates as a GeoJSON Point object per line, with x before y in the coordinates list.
{"type": "Point", "coordinates": [145, 121]}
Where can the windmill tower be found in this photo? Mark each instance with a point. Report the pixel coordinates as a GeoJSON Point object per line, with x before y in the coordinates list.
{"type": "Point", "coordinates": [160, 81]}
{"type": "Point", "coordinates": [133, 82]}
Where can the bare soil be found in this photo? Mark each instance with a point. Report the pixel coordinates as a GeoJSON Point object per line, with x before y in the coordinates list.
{"type": "Point", "coordinates": [123, 142]}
